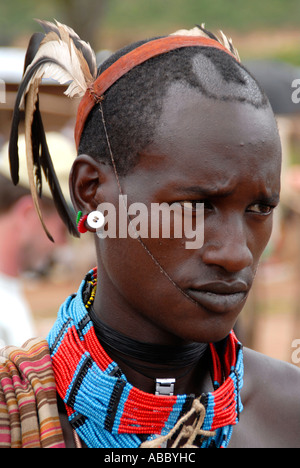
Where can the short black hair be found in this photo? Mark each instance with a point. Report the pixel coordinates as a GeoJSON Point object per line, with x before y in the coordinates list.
{"type": "Point", "coordinates": [132, 106]}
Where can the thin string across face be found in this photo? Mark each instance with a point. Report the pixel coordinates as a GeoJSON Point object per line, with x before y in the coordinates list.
{"type": "Point", "coordinates": [199, 34]}
{"type": "Point", "coordinates": [138, 237]}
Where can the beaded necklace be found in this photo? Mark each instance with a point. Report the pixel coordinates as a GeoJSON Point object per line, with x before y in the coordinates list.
{"type": "Point", "coordinates": [108, 412]}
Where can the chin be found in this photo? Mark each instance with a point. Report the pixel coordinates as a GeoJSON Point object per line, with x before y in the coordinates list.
{"type": "Point", "coordinates": [211, 331]}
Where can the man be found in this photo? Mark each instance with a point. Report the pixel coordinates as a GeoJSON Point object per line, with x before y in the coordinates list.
{"type": "Point", "coordinates": [150, 328]}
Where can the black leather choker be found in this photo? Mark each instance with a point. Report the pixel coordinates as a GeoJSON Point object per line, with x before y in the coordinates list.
{"type": "Point", "coordinates": [181, 356]}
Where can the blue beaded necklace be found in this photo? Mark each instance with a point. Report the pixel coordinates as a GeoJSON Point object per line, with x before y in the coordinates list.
{"type": "Point", "coordinates": [108, 412]}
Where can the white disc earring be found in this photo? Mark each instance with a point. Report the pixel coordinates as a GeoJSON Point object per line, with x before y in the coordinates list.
{"type": "Point", "coordinates": [95, 220]}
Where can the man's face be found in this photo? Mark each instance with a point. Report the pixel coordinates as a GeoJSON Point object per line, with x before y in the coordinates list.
{"type": "Point", "coordinates": [226, 155]}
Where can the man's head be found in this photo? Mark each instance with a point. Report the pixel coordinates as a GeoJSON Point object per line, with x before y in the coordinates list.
{"type": "Point", "coordinates": [133, 104]}
{"type": "Point", "coordinates": [176, 120]}
{"type": "Point", "coordinates": [188, 126]}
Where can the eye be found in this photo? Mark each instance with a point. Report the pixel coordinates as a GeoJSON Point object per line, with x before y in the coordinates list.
{"type": "Point", "coordinates": [261, 209]}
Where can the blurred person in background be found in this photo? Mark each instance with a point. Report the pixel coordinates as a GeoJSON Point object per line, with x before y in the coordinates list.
{"type": "Point", "coordinates": [24, 247]}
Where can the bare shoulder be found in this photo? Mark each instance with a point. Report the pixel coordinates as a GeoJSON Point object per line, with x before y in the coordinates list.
{"type": "Point", "coordinates": [271, 400]}
{"type": "Point", "coordinates": [272, 375]}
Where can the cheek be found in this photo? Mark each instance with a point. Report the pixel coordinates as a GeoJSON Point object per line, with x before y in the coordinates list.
{"type": "Point", "coordinates": [139, 273]}
{"type": "Point", "coordinates": [140, 264]}
{"type": "Point", "coordinates": [259, 236]}
{"type": "Point", "coordinates": [163, 243]}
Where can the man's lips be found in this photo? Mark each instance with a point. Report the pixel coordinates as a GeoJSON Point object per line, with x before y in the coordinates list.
{"type": "Point", "coordinates": [220, 296]}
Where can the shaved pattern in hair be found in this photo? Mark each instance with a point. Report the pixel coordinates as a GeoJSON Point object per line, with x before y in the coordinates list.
{"type": "Point", "coordinates": [132, 106]}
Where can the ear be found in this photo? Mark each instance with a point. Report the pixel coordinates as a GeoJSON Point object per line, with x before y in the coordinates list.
{"type": "Point", "coordinates": [86, 181]}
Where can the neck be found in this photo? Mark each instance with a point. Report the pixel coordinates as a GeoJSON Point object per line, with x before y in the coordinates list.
{"type": "Point", "coordinates": [144, 363]}
{"type": "Point", "coordinates": [114, 310]}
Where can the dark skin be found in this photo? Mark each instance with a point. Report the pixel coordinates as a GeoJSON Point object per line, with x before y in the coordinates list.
{"type": "Point", "coordinates": [228, 156]}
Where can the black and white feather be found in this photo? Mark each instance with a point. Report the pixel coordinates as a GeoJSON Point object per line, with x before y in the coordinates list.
{"type": "Point", "coordinates": [201, 31]}
{"type": "Point", "coordinates": [61, 55]}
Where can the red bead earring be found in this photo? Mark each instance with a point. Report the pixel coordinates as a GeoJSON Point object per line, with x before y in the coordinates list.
{"type": "Point", "coordinates": [94, 220]}
{"type": "Point", "coordinates": [80, 221]}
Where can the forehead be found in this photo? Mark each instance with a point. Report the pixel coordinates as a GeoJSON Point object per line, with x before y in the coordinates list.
{"type": "Point", "coordinates": [190, 118]}
{"type": "Point", "coordinates": [218, 139]}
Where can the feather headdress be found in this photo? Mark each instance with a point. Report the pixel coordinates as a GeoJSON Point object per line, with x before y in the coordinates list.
{"type": "Point", "coordinates": [197, 36]}
{"type": "Point", "coordinates": [59, 54]}
{"type": "Point", "coordinates": [203, 32]}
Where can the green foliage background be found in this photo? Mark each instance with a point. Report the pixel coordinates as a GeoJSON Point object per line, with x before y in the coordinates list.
{"type": "Point", "coordinates": [234, 14]}
{"type": "Point", "coordinates": [108, 22]}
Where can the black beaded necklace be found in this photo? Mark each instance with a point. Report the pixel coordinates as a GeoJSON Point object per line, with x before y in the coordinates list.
{"type": "Point", "coordinates": [175, 357]}
{"type": "Point", "coordinates": [183, 355]}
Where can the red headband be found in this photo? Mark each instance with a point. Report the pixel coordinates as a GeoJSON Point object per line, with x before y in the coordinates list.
{"type": "Point", "coordinates": [126, 63]}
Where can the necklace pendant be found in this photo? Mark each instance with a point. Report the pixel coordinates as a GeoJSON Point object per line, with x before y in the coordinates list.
{"type": "Point", "coordinates": [165, 386]}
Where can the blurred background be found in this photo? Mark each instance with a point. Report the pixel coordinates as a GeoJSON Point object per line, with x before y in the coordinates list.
{"type": "Point", "coordinates": [267, 35]}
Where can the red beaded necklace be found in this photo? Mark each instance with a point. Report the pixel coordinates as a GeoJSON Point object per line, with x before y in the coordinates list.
{"type": "Point", "coordinates": [106, 410]}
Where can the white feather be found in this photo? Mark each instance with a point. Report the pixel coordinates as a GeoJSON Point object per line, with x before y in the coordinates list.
{"type": "Point", "coordinates": [67, 59]}
{"type": "Point", "coordinates": [86, 48]}
{"type": "Point", "coordinates": [67, 67]}
{"type": "Point", "coordinates": [225, 41]}
{"type": "Point", "coordinates": [189, 32]}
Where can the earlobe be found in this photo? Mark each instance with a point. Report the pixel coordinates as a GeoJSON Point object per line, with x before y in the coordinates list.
{"type": "Point", "coordinates": [86, 178]}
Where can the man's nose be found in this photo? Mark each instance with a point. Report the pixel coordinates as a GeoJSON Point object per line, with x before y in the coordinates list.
{"type": "Point", "coordinates": [228, 246]}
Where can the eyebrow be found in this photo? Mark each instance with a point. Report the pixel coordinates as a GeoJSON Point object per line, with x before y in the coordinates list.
{"type": "Point", "coordinates": [273, 198]}
{"type": "Point", "coordinates": [205, 191]}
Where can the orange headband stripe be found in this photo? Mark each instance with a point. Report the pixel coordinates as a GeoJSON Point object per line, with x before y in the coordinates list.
{"type": "Point", "coordinates": [127, 62]}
